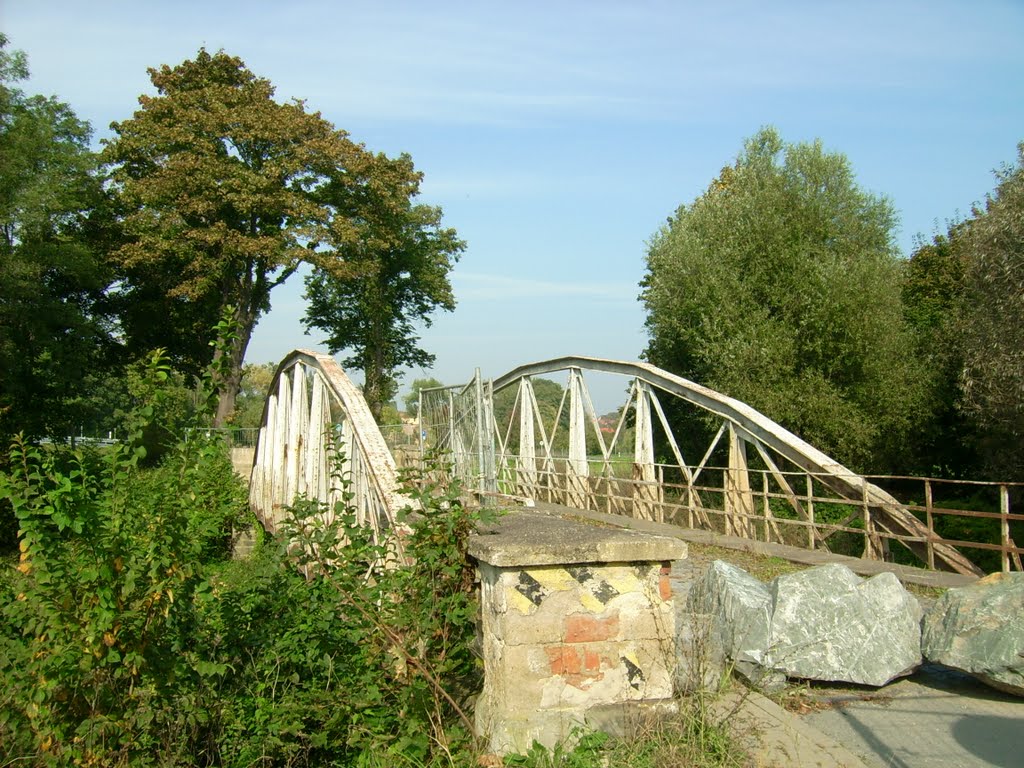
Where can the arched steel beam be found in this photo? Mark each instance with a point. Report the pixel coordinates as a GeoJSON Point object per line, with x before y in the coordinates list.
{"type": "Point", "coordinates": [760, 428]}
{"type": "Point", "coordinates": [295, 434]}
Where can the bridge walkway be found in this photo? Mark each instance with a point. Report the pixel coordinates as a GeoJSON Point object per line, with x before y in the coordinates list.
{"type": "Point", "coordinates": [905, 573]}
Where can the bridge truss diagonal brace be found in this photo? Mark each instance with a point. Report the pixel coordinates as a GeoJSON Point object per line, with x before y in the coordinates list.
{"type": "Point", "coordinates": [753, 426]}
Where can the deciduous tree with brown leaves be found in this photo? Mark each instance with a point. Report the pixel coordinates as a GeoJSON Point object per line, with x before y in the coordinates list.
{"type": "Point", "coordinates": [218, 185]}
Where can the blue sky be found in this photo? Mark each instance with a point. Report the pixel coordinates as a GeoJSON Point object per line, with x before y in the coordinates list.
{"type": "Point", "coordinates": [558, 136]}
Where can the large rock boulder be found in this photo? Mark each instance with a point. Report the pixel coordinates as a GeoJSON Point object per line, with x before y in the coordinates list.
{"type": "Point", "coordinates": [728, 614]}
{"type": "Point", "coordinates": [824, 623]}
{"type": "Point", "coordinates": [980, 630]}
{"type": "Point", "coordinates": [830, 624]}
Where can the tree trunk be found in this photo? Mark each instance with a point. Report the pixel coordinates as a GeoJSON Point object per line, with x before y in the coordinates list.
{"type": "Point", "coordinates": [373, 391]}
{"type": "Point", "coordinates": [228, 386]}
{"type": "Point", "coordinates": [374, 373]}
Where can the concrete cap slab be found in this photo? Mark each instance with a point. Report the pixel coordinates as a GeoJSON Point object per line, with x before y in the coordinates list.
{"type": "Point", "coordinates": [522, 538]}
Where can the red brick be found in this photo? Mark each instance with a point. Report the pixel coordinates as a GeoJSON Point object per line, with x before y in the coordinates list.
{"type": "Point", "coordinates": [664, 587]}
{"type": "Point", "coordinates": [563, 660]}
{"type": "Point", "coordinates": [587, 629]}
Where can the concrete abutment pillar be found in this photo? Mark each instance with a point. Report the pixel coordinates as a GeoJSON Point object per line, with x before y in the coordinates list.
{"type": "Point", "coordinates": [576, 619]}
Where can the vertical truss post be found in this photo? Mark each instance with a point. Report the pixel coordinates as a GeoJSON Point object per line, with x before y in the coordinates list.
{"type": "Point", "coordinates": [279, 449]}
{"type": "Point", "coordinates": [261, 489]}
{"type": "Point", "coordinates": [577, 468]}
{"type": "Point", "coordinates": [478, 392]}
{"type": "Point", "coordinates": [485, 427]}
{"type": "Point", "coordinates": [811, 527]}
{"type": "Point", "coordinates": [456, 459]}
{"type": "Point", "coordinates": [420, 428]}
{"type": "Point", "coordinates": [526, 461]}
{"type": "Point", "coordinates": [343, 445]}
{"type": "Point", "coordinates": [872, 542]}
{"type": "Point", "coordinates": [928, 504]}
{"type": "Point", "coordinates": [766, 507]}
{"type": "Point", "coordinates": [645, 485]}
{"type": "Point", "coordinates": [451, 422]}
{"type": "Point", "coordinates": [1005, 542]}
{"type": "Point", "coordinates": [298, 424]}
{"type": "Point", "coordinates": [314, 461]}
{"type": "Point", "coordinates": [739, 501]}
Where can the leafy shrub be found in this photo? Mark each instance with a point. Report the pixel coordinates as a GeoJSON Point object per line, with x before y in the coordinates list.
{"type": "Point", "coordinates": [110, 558]}
{"type": "Point", "coordinates": [127, 638]}
{"type": "Point", "coordinates": [411, 629]}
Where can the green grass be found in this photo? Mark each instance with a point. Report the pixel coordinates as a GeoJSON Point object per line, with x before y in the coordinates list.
{"type": "Point", "coordinates": [691, 736]}
{"type": "Point", "coordinates": [763, 567]}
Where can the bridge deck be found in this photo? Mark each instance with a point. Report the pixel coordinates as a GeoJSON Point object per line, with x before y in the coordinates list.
{"type": "Point", "coordinates": [905, 573]}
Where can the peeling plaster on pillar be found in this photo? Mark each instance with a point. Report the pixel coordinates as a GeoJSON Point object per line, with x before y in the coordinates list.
{"type": "Point", "coordinates": [574, 617]}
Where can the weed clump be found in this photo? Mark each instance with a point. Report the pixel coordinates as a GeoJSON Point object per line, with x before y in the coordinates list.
{"type": "Point", "coordinates": [696, 735]}
{"type": "Point", "coordinates": [128, 636]}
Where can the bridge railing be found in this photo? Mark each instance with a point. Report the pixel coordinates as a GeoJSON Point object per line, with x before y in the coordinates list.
{"type": "Point", "coordinates": [316, 425]}
{"type": "Point", "coordinates": [828, 522]}
{"type": "Point", "coordinates": [977, 517]}
{"type": "Point", "coordinates": [751, 466]}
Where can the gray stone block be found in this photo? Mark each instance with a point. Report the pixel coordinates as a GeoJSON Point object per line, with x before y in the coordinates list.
{"type": "Point", "coordinates": [824, 623]}
{"type": "Point", "coordinates": [830, 624]}
{"type": "Point", "coordinates": [979, 629]}
{"type": "Point", "coordinates": [738, 607]}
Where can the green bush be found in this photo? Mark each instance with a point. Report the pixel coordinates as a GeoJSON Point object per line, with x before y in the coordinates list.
{"type": "Point", "coordinates": [110, 558]}
{"type": "Point", "coordinates": [127, 637]}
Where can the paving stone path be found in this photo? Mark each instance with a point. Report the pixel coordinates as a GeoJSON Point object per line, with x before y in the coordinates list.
{"type": "Point", "coordinates": [936, 718]}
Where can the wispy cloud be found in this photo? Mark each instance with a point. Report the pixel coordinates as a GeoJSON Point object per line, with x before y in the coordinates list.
{"type": "Point", "coordinates": [505, 63]}
{"type": "Point", "coordinates": [494, 63]}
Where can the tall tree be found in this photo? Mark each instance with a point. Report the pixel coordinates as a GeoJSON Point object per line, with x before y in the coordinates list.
{"type": "Point", "coordinates": [256, 380]}
{"type": "Point", "coordinates": [396, 275]}
{"type": "Point", "coordinates": [54, 333]}
{"type": "Point", "coordinates": [217, 184]}
{"type": "Point", "coordinates": [412, 400]}
{"type": "Point", "coordinates": [991, 323]}
{"type": "Point", "coordinates": [780, 286]}
{"type": "Point", "coordinates": [933, 298]}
